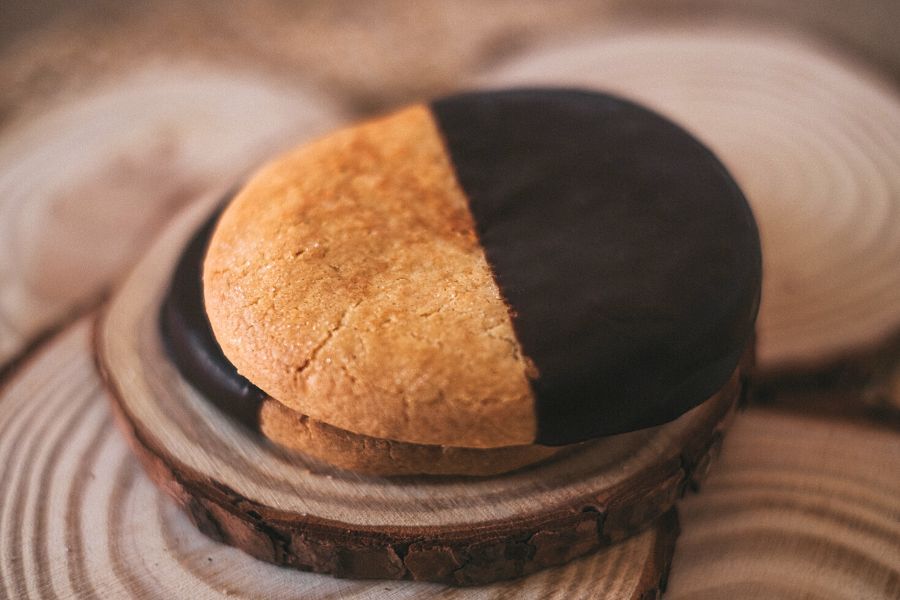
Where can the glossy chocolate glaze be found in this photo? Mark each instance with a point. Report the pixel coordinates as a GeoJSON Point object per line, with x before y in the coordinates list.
{"type": "Point", "coordinates": [628, 256]}
{"type": "Point", "coordinates": [189, 339]}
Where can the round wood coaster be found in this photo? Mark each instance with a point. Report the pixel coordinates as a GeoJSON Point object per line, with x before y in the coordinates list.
{"type": "Point", "coordinates": [86, 184]}
{"type": "Point", "coordinates": [80, 519]}
{"type": "Point", "coordinates": [797, 507]}
{"type": "Point", "coordinates": [291, 510]}
{"type": "Point", "coordinates": [813, 140]}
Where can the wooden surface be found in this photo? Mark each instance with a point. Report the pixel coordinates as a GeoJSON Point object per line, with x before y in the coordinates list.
{"type": "Point", "coordinates": [797, 507]}
{"type": "Point", "coordinates": [376, 53]}
{"type": "Point", "coordinates": [814, 142]}
{"type": "Point", "coordinates": [84, 186]}
{"type": "Point", "coordinates": [779, 517]}
{"type": "Point", "coordinates": [355, 525]}
{"type": "Point", "coordinates": [79, 518]}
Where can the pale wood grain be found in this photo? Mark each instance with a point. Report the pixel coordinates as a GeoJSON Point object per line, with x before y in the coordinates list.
{"type": "Point", "coordinates": [79, 519]}
{"type": "Point", "coordinates": [814, 141]}
{"type": "Point", "coordinates": [85, 185]}
{"type": "Point", "coordinates": [372, 53]}
{"type": "Point", "coordinates": [798, 507]}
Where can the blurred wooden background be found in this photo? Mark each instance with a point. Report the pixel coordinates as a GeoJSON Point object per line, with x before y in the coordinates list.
{"type": "Point", "coordinates": [803, 502]}
{"type": "Point", "coordinates": [370, 54]}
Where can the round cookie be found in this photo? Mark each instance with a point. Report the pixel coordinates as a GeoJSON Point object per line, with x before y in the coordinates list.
{"type": "Point", "coordinates": [493, 269]}
{"type": "Point", "coordinates": [364, 454]}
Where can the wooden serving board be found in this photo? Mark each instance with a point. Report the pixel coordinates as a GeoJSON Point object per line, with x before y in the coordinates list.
{"type": "Point", "coordinates": [288, 509]}
{"type": "Point", "coordinates": [80, 519]}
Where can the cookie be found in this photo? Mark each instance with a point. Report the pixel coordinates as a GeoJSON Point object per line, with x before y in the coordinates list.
{"type": "Point", "coordinates": [492, 269]}
{"type": "Point", "coordinates": [364, 454]}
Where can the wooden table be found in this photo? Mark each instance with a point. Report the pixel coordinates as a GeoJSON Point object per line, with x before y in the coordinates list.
{"type": "Point", "coordinates": [113, 118]}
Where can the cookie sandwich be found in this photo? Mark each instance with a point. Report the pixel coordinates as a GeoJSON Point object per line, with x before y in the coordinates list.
{"type": "Point", "coordinates": [472, 285]}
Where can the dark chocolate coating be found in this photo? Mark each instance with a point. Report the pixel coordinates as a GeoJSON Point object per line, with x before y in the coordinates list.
{"type": "Point", "coordinates": [628, 256]}
{"type": "Point", "coordinates": [189, 339]}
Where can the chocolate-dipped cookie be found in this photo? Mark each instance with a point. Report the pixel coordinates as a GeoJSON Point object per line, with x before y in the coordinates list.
{"type": "Point", "coordinates": [492, 269]}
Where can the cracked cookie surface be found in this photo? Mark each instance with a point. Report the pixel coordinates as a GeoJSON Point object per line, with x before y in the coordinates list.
{"type": "Point", "coordinates": [346, 281]}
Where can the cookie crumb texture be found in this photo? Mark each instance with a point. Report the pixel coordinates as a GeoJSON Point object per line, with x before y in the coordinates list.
{"type": "Point", "coordinates": [346, 281]}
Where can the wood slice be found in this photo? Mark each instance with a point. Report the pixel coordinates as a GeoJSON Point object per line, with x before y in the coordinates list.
{"type": "Point", "coordinates": [84, 186]}
{"type": "Point", "coordinates": [79, 519]}
{"type": "Point", "coordinates": [814, 141]}
{"type": "Point", "coordinates": [288, 509]}
{"type": "Point", "coordinates": [798, 507]}
{"type": "Point", "coordinates": [865, 389]}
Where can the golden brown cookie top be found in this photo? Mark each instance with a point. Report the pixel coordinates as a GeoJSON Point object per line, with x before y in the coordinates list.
{"type": "Point", "coordinates": [346, 280]}
{"type": "Point", "coordinates": [491, 269]}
